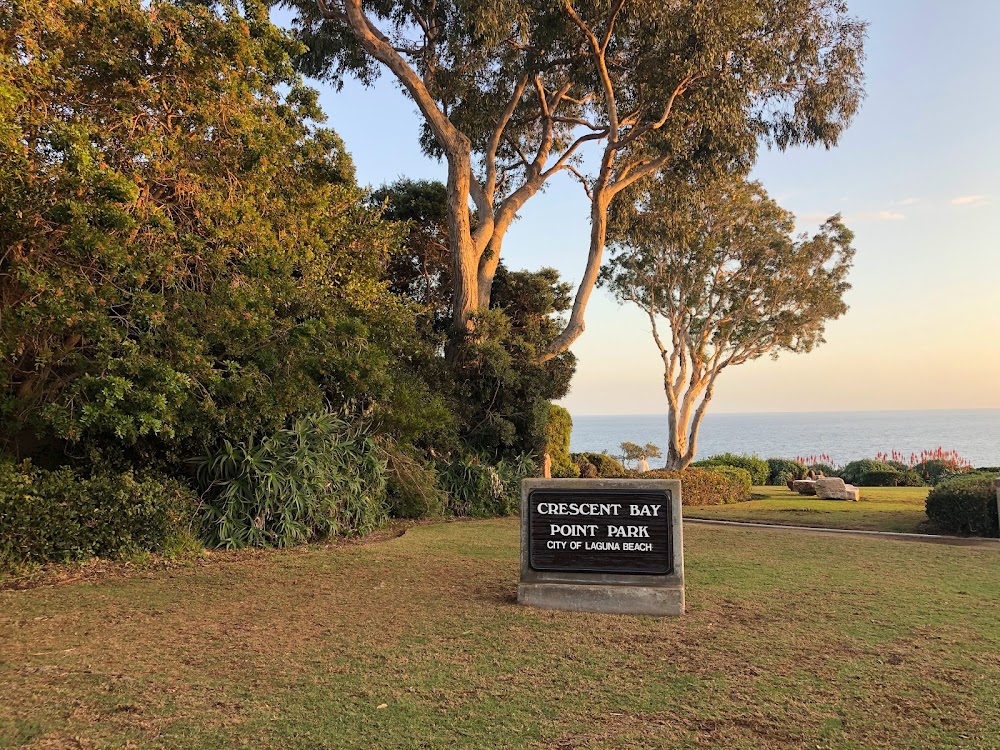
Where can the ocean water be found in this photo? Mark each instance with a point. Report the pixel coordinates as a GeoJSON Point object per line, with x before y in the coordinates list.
{"type": "Point", "coordinates": [844, 436]}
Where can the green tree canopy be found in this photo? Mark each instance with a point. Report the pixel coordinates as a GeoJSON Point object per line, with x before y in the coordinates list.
{"type": "Point", "coordinates": [724, 281]}
{"type": "Point", "coordinates": [512, 93]}
{"type": "Point", "coordinates": [186, 254]}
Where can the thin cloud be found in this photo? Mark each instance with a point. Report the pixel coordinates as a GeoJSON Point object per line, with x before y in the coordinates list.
{"type": "Point", "coordinates": [907, 201]}
{"type": "Point", "coordinates": [878, 216]}
{"type": "Point", "coordinates": [969, 200]}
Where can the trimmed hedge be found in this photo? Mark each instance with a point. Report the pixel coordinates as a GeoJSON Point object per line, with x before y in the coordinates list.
{"type": "Point", "coordinates": [965, 505]}
{"type": "Point", "coordinates": [855, 471]}
{"type": "Point", "coordinates": [736, 473]}
{"type": "Point", "coordinates": [782, 469]}
{"type": "Point", "coordinates": [704, 486]}
{"type": "Point", "coordinates": [880, 479]}
{"type": "Point", "coordinates": [758, 468]}
{"type": "Point", "coordinates": [61, 515]}
{"type": "Point", "coordinates": [557, 433]}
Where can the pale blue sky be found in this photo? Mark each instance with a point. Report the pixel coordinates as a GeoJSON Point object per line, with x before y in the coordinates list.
{"type": "Point", "coordinates": [917, 177]}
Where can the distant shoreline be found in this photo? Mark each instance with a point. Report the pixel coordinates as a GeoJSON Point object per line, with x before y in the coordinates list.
{"type": "Point", "coordinates": [817, 411]}
{"type": "Point", "coordinates": [843, 435]}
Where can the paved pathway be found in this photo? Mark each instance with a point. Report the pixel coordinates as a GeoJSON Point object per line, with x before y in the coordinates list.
{"type": "Point", "coordinates": [956, 541]}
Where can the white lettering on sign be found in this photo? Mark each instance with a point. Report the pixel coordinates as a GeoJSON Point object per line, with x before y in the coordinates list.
{"type": "Point", "coordinates": [579, 509]}
{"type": "Point", "coordinates": [629, 531]}
{"type": "Point", "coordinates": [603, 546]}
{"type": "Point", "coordinates": [572, 529]}
{"type": "Point", "coordinates": [644, 510]}
{"type": "Point", "coordinates": [637, 547]}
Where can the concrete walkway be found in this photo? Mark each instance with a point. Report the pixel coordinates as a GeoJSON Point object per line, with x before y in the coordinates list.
{"type": "Point", "coordinates": [955, 541]}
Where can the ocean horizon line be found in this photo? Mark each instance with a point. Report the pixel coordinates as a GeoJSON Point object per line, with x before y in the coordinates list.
{"type": "Point", "coordinates": [812, 411]}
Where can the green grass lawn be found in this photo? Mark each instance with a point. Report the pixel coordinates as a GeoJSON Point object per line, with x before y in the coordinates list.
{"type": "Point", "coordinates": [791, 641]}
{"type": "Point", "coordinates": [879, 509]}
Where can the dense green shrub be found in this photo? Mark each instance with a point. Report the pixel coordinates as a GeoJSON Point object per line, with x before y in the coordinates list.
{"type": "Point", "coordinates": [703, 486]}
{"type": "Point", "coordinates": [501, 387]}
{"type": "Point", "coordinates": [557, 435]}
{"type": "Point", "coordinates": [607, 467]}
{"type": "Point", "coordinates": [62, 515]}
{"type": "Point", "coordinates": [965, 505]}
{"type": "Point", "coordinates": [202, 274]}
{"type": "Point", "coordinates": [910, 479]}
{"type": "Point", "coordinates": [758, 468]}
{"type": "Point", "coordinates": [322, 477]}
{"type": "Point", "coordinates": [413, 489]}
{"type": "Point", "coordinates": [478, 488]}
{"type": "Point", "coordinates": [880, 479]}
{"type": "Point", "coordinates": [737, 474]}
{"type": "Point", "coordinates": [780, 470]}
{"type": "Point", "coordinates": [936, 468]}
{"type": "Point", "coordinates": [854, 472]}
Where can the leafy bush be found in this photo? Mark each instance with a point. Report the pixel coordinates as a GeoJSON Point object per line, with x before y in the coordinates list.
{"type": "Point", "coordinates": [758, 468]}
{"type": "Point", "coordinates": [881, 479]}
{"type": "Point", "coordinates": [965, 505]}
{"type": "Point", "coordinates": [855, 471]}
{"type": "Point", "coordinates": [557, 434]}
{"type": "Point", "coordinates": [607, 467]}
{"type": "Point", "coordinates": [477, 488]}
{"type": "Point", "coordinates": [62, 515]}
{"type": "Point", "coordinates": [780, 470]}
{"type": "Point", "coordinates": [736, 473]}
{"type": "Point", "coordinates": [703, 486]}
{"type": "Point", "coordinates": [211, 287]}
{"type": "Point", "coordinates": [936, 468]}
{"type": "Point", "coordinates": [412, 487]}
{"type": "Point", "coordinates": [910, 479]}
{"type": "Point", "coordinates": [322, 477]}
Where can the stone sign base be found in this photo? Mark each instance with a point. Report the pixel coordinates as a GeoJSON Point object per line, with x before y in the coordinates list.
{"type": "Point", "coordinates": [658, 601]}
{"type": "Point", "coordinates": [643, 575]}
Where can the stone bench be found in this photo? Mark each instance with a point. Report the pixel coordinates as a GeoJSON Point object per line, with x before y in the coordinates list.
{"type": "Point", "coordinates": [804, 486]}
{"type": "Point", "coordinates": [833, 488]}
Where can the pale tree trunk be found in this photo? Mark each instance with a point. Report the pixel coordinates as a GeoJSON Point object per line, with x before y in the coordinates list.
{"type": "Point", "coordinates": [464, 258]}
{"type": "Point", "coordinates": [682, 424]}
{"type": "Point", "coordinates": [598, 239]}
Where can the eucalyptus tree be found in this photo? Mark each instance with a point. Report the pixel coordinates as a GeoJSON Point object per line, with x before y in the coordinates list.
{"type": "Point", "coordinates": [724, 281]}
{"type": "Point", "coordinates": [513, 92]}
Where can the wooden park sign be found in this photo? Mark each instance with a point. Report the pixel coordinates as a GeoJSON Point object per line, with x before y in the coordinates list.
{"type": "Point", "coordinates": [602, 545]}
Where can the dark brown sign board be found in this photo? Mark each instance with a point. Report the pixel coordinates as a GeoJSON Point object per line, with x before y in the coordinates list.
{"type": "Point", "coordinates": [602, 545]}
{"type": "Point", "coordinates": [600, 531]}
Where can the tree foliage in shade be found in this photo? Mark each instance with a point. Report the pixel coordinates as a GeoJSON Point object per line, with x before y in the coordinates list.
{"type": "Point", "coordinates": [497, 382]}
{"type": "Point", "coordinates": [421, 269]}
{"type": "Point", "coordinates": [186, 254]}
{"type": "Point", "coordinates": [724, 281]}
{"type": "Point", "coordinates": [513, 93]}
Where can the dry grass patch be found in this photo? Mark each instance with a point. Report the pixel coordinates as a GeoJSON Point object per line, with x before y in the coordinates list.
{"type": "Point", "coordinates": [417, 642]}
